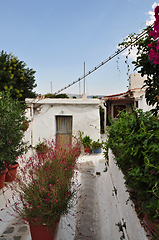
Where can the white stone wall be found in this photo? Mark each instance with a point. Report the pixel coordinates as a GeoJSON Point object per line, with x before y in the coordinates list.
{"type": "Point", "coordinates": [124, 205]}
{"type": "Point", "coordinates": [136, 81]}
{"type": "Point", "coordinates": [84, 112]}
{"type": "Point", "coordinates": [143, 105]}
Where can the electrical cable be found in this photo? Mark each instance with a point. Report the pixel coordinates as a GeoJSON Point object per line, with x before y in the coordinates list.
{"type": "Point", "coordinates": [132, 43]}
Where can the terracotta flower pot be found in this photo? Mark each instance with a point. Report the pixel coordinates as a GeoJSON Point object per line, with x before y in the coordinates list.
{"type": "Point", "coordinates": [152, 225]}
{"type": "Point", "coordinates": [26, 125]}
{"type": "Point", "coordinates": [12, 171]}
{"type": "Point", "coordinates": [87, 150]}
{"type": "Point", "coordinates": [2, 177]}
{"type": "Point", "coordinates": [41, 232]}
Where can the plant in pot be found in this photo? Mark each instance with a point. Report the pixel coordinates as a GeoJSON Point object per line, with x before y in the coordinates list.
{"type": "Point", "coordinates": [26, 125]}
{"type": "Point", "coordinates": [96, 146]}
{"type": "Point", "coordinates": [86, 141]}
{"type": "Point", "coordinates": [11, 133]}
{"type": "Point", "coordinates": [3, 171]}
{"type": "Point", "coordinates": [46, 190]}
{"type": "Point", "coordinates": [42, 149]}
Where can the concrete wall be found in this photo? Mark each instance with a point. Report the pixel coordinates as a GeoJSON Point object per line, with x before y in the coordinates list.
{"type": "Point", "coordinates": [125, 206]}
{"type": "Point", "coordinates": [84, 112]}
{"type": "Point", "coordinates": [136, 81]}
{"type": "Point", "coordinates": [143, 105]}
{"type": "Point", "coordinates": [139, 96]}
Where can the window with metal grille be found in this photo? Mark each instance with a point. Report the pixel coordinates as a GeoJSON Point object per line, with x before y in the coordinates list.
{"type": "Point", "coordinates": [63, 129]}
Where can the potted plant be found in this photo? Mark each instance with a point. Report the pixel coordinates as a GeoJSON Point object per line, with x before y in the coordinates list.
{"type": "Point", "coordinates": [3, 171]}
{"type": "Point", "coordinates": [11, 133]}
{"type": "Point", "coordinates": [46, 189]}
{"type": "Point", "coordinates": [26, 125]}
{"type": "Point", "coordinates": [96, 146]}
{"type": "Point", "coordinates": [86, 141]}
{"type": "Point", "coordinates": [41, 149]}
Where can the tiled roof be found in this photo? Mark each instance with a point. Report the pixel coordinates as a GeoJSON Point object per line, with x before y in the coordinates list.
{"type": "Point", "coordinates": [121, 95]}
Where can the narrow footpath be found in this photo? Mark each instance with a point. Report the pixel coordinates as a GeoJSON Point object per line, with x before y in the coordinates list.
{"type": "Point", "coordinates": [99, 213]}
{"type": "Point", "coordinates": [88, 210]}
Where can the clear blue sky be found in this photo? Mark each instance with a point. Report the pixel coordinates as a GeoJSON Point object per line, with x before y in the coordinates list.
{"type": "Point", "coordinates": [56, 37]}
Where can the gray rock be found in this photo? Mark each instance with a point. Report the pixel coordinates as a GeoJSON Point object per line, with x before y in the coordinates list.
{"type": "Point", "coordinates": [9, 230]}
{"type": "Point", "coordinates": [23, 229]}
{"type": "Point", "coordinates": [17, 238]}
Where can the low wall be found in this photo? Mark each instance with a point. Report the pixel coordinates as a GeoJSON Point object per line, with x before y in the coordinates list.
{"type": "Point", "coordinates": [125, 207]}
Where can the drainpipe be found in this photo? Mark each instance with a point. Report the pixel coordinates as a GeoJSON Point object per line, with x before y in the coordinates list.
{"type": "Point", "coordinates": [106, 115]}
{"type": "Point", "coordinates": [32, 120]}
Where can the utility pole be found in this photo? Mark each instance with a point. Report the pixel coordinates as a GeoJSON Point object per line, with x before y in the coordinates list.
{"type": "Point", "coordinates": [84, 79]}
{"type": "Point", "coordinates": [79, 90]}
{"type": "Point", "coordinates": [51, 87]}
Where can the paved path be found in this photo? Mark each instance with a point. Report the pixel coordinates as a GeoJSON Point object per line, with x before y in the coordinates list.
{"type": "Point", "coordinates": [88, 209]}
{"type": "Point", "coordinates": [87, 221]}
{"type": "Point", "coordinates": [97, 214]}
{"type": "Point", "coordinates": [16, 230]}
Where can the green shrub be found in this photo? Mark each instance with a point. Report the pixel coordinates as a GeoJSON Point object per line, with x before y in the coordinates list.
{"type": "Point", "coordinates": [96, 144]}
{"type": "Point", "coordinates": [134, 140]}
{"type": "Point", "coordinates": [12, 128]}
{"type": "Point", "coordinates": [86, 141]}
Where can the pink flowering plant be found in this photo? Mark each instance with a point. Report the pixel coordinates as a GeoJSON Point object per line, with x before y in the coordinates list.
{"type": "Point", "coordinates": [154, 46]}
{"type": "Point", "coordinates": [42, 149]}
{"type": "Point", "coordinates": [147, 60]}
{"type": "Point", "coordinates": [46, 187]}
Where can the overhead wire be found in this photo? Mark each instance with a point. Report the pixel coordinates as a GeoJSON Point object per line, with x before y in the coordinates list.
{"type": "Point", "coordinates": [136, 38]}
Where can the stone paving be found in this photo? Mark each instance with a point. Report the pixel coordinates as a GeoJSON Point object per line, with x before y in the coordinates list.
{"type": "Point", "coordinates": [96, 214]}
{"type": "Point", "coordinates": [16, 230]}
{"type": "Point", "coordinates": [87, 217]}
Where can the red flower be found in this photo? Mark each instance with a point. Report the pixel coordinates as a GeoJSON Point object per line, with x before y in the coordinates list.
{"type": "Point", "coordinates": [157, 21]}
{"type": "Point", "coordinates": [157, 11]}
{"type": "Point", "coordinates": [156, 27]}
{"type": "Point", "coordinates": [156, 60]}
{"type": "Point", "coordinates": [157, 46]}
{"type": "Point", "coordinates": [152, 54]}
{"type": "Point", "coordinates": [150, 45]}
{"type": "Point", "coordinates": [154, 34]}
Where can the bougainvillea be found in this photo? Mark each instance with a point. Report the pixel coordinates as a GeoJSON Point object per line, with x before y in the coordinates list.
{"type": "Point", "coordinates": [147, 60]}
{"type": "Point", "coordinates": [154, 46]}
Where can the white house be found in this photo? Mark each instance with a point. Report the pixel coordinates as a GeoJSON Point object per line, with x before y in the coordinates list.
{"type": "Point", "coordinates": [134, 96]}
{"type": "Point", "coordinates": [137, 90]}
{"type": "Point", "coordinates": [52, 117]}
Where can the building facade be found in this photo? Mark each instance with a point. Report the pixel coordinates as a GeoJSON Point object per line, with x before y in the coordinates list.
{"type": "Point", "coordinates": [135, 96]}
{"type": "Point", "coordinates": [62, 118]}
